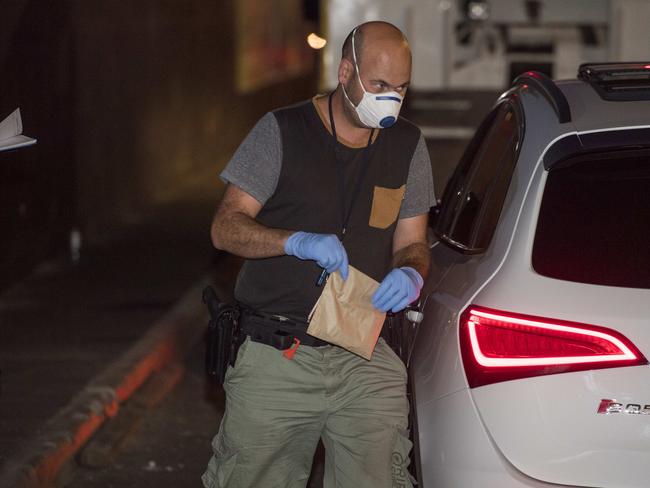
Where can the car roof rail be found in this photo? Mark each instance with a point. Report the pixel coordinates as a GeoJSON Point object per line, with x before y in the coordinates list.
{"type": "Point", "coordinates": [549, 89]}
{"type": "Point", "coordinates": [618, 81]}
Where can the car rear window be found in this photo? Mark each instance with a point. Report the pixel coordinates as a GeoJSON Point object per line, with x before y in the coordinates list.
{"type": "Point", "coordinates": [594, 221]}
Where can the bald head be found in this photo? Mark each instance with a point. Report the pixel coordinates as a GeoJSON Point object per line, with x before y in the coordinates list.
{"type": "Point", "coordinates": [381, 36]}
{"type": "Point", "coordinates": [383, 65]}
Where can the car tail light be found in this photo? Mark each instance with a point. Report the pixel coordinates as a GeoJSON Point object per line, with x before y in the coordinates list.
{"type": "Point", "coordinates": [501, 346]}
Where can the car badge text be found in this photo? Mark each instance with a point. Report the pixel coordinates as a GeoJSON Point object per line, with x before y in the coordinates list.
{"type": "Point", "coordinates": [613, 407]}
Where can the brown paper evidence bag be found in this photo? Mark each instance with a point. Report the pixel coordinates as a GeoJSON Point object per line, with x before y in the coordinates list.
{"type": "Point", "coordinates": [344, 315]}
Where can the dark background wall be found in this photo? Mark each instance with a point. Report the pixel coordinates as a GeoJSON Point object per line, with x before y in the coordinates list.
{"type": "Point", "coordinates": [131, 102]}
{"type": "Point", "coordinates": [37, 184]}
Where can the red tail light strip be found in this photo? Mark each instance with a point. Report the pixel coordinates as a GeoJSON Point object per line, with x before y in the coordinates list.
{"type": "Point", "coordinates": [475, 318]}
{"type": "Point", "coordinates": [500, 346]}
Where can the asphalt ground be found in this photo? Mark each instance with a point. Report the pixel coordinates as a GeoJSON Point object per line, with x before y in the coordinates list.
{"type": "Point", "coordinates": [66, 324]}
{"type": "Point", "coordinates": [171, 446]}
{"type": "Point", "coordinates": [70, 323]}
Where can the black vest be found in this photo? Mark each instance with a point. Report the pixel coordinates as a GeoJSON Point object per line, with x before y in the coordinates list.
{"type": "Point", "coordinates": [307, 199]}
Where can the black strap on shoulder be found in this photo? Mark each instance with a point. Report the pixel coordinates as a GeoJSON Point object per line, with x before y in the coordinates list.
{"type": "Point", "coordinates": [365, 162]}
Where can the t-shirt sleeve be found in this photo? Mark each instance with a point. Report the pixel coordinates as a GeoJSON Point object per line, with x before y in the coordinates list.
{"type": "Point", "coordinates": [419, 196]}
{"type": "Point", "coordinates": [255, 166]}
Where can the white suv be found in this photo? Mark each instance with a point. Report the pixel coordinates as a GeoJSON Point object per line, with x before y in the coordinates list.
{"type": "Point", "coordinates": [530, 369]}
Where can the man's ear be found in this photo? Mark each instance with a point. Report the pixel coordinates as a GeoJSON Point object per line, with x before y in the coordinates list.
{"type": "Point", "coordinates": [346, 70]}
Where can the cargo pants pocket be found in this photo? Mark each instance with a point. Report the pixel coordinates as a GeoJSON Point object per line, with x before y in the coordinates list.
{"type": "Point", "coordinates": [221, 467]}
{"type": "Point", "coordinates": [399, 462]}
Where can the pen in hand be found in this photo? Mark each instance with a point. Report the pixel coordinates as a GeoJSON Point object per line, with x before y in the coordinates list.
{"type": "Point", "coordinates": [322, 278]}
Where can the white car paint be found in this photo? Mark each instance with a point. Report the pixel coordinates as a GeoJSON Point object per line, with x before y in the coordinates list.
{"type": "Point", "coordinates": [541, 431]}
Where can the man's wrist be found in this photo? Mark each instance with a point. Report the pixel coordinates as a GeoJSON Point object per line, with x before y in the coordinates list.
{"type": "Point", "coordinates": [416, 256]}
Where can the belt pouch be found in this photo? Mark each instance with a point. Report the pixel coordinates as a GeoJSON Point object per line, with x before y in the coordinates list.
{"type": "Point", "coordinates": [222, 341]}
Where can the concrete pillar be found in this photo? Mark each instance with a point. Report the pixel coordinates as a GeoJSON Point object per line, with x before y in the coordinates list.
{"type": "Point", "coordinates": [630, 36]}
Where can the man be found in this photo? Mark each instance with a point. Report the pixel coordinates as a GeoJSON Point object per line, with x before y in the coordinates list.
{"type": "Point", "coordinates": [312, 188]}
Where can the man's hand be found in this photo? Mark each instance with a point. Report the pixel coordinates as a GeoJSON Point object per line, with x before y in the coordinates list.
{"type": "Point", "coordinates": [325, 249]}
{"type": "Point", "coordinates": [399, 288]}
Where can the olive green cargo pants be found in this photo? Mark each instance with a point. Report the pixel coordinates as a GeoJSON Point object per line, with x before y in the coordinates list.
{"type": "Point", "coordinates": [277, 409]}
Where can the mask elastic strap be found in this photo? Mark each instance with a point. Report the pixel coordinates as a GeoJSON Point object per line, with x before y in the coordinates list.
{"type": "Point", "coordinates": [356, 65]}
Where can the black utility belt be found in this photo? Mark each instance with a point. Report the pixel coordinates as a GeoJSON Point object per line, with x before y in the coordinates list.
{"type": "Point", "coordinates": [276, 331]}
{"type": "Point", "coordinates": [229, 325]}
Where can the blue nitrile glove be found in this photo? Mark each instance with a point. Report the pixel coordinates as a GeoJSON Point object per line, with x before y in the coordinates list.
{"type": "Point", "coordinates": [325, 249]}
{"type": "Point", "coordinates": [399, 288]}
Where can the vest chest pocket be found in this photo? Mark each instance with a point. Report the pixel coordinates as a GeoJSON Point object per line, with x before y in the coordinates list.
{"type": "Point", "coordinates": [386, 203]}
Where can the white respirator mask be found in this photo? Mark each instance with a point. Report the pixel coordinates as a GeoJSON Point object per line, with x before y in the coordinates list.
{"type": "Point", "coordinates": [376, 110]}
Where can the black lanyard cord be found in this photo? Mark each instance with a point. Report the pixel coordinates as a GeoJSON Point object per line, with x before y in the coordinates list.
{"type": "Point", "coordinates": [365, 162]}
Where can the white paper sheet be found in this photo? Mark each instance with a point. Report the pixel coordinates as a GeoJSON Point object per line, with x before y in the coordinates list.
{"type": "Point", "coordinates": [11, 130]}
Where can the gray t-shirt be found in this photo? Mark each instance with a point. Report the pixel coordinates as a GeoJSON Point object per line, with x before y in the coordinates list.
{"type": "Point", "coordinates": [255, 168]}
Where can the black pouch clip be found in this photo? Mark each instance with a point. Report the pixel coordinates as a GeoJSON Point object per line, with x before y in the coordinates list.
{"type": "Point", "coordinates": [223, 337]}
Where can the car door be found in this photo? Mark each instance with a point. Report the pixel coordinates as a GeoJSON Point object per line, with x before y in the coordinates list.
{"type": "Point", "coordinates": [461, 259]}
